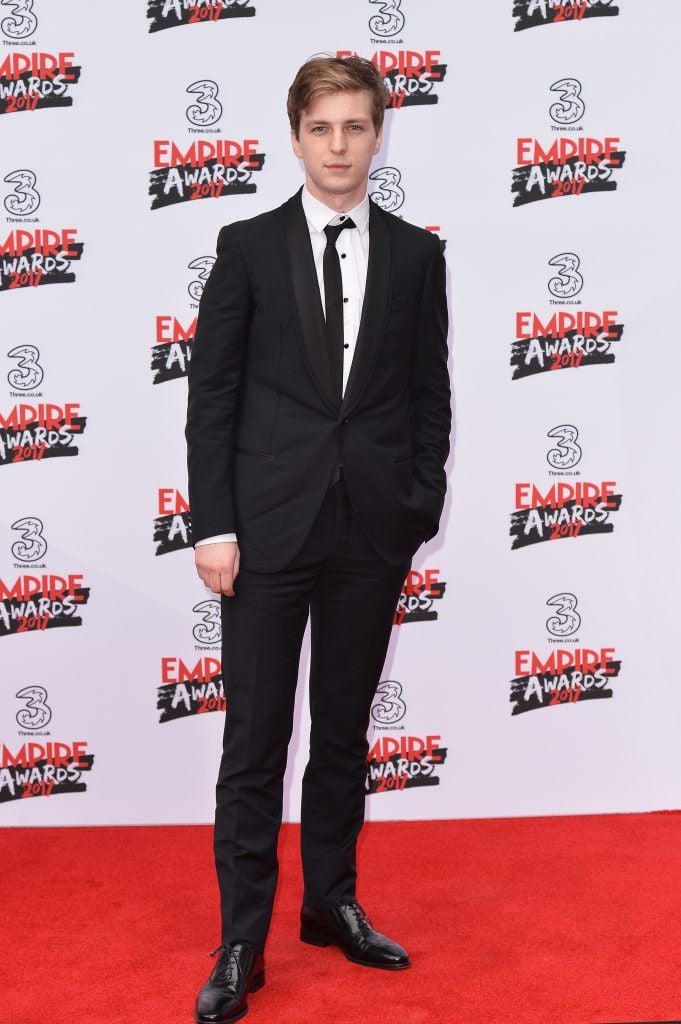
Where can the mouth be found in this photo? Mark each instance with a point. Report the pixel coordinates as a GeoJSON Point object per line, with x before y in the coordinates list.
{"type": "Point", "coordinates": [338, 167]}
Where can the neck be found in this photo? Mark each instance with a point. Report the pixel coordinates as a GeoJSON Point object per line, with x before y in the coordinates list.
{"type": "Point", "coordinates": [338, 201]}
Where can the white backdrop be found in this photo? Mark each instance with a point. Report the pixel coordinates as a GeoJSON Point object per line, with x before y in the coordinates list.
{"type": "Point", "coordinates": [101, 672]}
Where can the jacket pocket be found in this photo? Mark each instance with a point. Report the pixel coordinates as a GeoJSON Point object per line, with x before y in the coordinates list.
{"type": "Point", "coordinates": [251, 451]}
{"type": "Point", "coordinates": [404, 458]}
{"type": "Point", "coordinates": [404, 300]}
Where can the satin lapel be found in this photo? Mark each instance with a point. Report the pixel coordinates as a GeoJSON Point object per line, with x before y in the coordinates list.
{"type": "Point", "coordinates": [374, 308]}
{"type": "Point", "coordinates": [311, 331]}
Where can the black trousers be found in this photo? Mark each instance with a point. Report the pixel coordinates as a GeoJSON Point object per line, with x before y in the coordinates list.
{"type": "Point", "coordinates": [350, 594]}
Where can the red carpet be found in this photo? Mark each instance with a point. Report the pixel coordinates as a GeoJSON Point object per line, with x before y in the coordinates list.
{"type": "Point", "coordinates": [560, 920]}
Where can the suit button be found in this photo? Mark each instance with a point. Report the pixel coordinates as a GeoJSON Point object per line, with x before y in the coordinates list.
{"type": "Point", "coordinates": [346, 420]}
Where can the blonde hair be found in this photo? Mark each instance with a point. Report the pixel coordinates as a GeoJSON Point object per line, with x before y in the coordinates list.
{"type": "Point", "coordinates": [319, 76]}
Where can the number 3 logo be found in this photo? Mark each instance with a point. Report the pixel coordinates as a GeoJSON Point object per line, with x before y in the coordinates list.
{"type": "Point", "coordinates": [570, 107]}
{"type": "Point", "coordinates": [389, 195]}
{"type": "Point", "coordinates": [22, 23]}
{"type": "Point", "coordinates": [29, 373]}
{"type": "Point", "coordinates": [390, 21]}
{"type": "Point", "coordinates": [36, 714]}
{"type": "Point", "coordinates": [204, 265]}
{"type": "Point", "coordinates": [209, 630]}
{"type": "Point", "coordinates": [567, 452]}
{"type": "Point", "coordinates": [207, 109]}
{"type": "Point", "coordinates": [568, 281]}
{"type": "Point", "coordinates": [25, 199]}
{"type": "Point", "coordinates": [567, 619]}
{"type": "Point", "coordinates": [32, 544]}
{"type": "Point", "coordinates": [390, 708]}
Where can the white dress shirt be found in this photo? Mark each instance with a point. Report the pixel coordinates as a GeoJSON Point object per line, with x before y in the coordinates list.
{"type": "Point", "coordinates": [353, 249]}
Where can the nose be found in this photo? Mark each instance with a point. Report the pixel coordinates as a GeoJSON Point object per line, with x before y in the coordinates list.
{"type": "Point", "coordinates": [337, 140]}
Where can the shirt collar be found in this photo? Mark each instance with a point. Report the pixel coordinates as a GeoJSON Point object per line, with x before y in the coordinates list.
{"type": "Point", "coordinates": [319, 214]}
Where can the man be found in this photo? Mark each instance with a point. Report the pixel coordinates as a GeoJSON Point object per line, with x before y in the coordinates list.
{"type": "Point", "coordinates": [317, 429]}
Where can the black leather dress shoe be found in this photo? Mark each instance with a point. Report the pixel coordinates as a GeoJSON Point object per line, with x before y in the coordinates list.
{"type": "Point", "coordinates": [239, 970]}
{"type": "Point", "coordinates": [348, 927]}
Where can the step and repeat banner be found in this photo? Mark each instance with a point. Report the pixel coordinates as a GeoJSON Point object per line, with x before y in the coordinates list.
{"type": "Point", "coordinates": [533, 664]}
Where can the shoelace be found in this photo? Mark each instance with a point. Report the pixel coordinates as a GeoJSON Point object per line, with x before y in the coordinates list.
{"type": "Point", "coordinates": [359, 914]}
{"type": "Point", "coordinates": [230, 966]}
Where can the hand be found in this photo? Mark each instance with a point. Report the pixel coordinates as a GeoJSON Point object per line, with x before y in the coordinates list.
{"type": "Point", "coordinates": [218, 565]}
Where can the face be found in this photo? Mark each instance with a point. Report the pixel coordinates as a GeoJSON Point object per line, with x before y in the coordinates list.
{"type": "Point", "coordinates": [337, 141]}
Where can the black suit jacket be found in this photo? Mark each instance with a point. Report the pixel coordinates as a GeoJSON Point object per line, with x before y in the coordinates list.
{"type": "Point", "coordinates": [264, 427]}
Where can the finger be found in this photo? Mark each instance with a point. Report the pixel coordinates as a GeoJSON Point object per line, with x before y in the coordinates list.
{"type": "Point", "coordinates": [226, 584]}
{"type": "Point", "coordinates": [214, 581]}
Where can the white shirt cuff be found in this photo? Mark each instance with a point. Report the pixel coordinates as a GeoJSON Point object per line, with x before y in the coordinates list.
{"type": "Point", "coordinates": [220, 538]}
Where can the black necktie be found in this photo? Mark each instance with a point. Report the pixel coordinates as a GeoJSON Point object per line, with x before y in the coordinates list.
{"type": "Point", "coordinates": [333, 299]}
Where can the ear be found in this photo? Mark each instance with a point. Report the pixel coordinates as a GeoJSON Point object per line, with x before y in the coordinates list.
{"type": "Point", "coordinates": [379, 140]}
{"type": "Point", "coordinates": [295, 144]}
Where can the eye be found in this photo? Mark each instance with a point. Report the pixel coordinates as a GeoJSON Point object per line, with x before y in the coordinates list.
{"type": "Point", "coordinates": [358, 126]}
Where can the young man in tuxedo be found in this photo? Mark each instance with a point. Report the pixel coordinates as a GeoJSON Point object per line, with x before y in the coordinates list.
{"type": "Point", "coordinates": [318, 427]}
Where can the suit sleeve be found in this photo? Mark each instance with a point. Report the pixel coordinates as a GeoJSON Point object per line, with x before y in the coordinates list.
{"type": "Point", "coordinates": [213, 384]}
{"type": "Point", "coordinates": [430, 393]}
